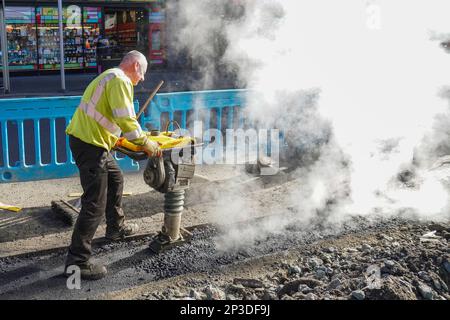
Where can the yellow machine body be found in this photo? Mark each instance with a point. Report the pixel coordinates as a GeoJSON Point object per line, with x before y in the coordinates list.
{"type": "Point", "coordinates": [166, 140]}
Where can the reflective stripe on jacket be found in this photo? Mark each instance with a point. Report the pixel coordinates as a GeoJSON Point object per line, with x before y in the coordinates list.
{"type": "Point", "coordinates": [105, 111]}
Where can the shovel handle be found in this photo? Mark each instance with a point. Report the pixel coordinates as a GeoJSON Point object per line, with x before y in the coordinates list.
{"type": "Point", "coordinates": [149, 99]}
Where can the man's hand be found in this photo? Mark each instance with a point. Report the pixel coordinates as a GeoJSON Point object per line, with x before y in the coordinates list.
{"type": "Point", "coordinates": [152, 148]}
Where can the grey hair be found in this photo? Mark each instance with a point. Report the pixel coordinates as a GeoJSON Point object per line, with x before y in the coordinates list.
{"type": "Point", "coordinates": [133, 56]}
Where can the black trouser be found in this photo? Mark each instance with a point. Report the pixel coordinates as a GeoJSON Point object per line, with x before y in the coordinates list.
{"type": "Point", "coordinates": [102, 182]}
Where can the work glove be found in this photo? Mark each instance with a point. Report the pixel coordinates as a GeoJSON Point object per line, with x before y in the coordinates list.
{"type": "Point", "coordinates": [152, 148]}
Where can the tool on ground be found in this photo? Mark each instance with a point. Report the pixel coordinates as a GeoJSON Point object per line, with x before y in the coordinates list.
{"type": "Point", "coordinates": [9, 207]}
{"type": "Point", "coordinates": [79, 194]}
{"type": "Point", "coordinates": [66, 211]}
{"type": "Point", "coordinates": [262, 165]}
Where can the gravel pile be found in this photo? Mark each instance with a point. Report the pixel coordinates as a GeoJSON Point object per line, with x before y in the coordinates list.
{"type": "Point", "coordinates": [406, 262]}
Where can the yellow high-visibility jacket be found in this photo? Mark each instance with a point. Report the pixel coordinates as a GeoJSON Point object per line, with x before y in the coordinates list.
{"type": "Point", "coordinates": [106, 110]}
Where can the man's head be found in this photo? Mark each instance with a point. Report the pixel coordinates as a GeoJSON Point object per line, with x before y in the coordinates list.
{"type": "Point", "coordinates": [134, 65]}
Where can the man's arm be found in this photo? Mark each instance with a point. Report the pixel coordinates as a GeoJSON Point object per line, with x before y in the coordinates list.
{"type": "Point", "coordinates": [120, 98]}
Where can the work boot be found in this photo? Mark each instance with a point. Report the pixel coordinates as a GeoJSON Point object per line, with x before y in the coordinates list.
{"type": "Point", "coordinates": [126, 230]}
{"type": "Point", "coordinates": [89, 271]}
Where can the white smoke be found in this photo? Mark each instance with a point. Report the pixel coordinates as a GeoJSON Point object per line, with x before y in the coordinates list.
{"type": "Point", "coordinates": [374, 70]}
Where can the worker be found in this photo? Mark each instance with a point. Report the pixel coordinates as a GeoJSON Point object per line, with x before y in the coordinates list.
{"type": "Point", "coordinates": [105, 112]}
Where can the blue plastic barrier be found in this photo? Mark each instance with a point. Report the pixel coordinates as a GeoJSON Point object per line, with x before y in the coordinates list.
{"type": "Point", "coordinates": [33, 143]}
{"type": "Point", "coordinates": [218, 109]}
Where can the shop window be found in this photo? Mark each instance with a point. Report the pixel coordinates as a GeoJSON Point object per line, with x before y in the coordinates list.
{"type": "Point", "coordinates": [48, 37]}
{"type": "Point", "coordinates": [21, 36]}
{"type": "Point", "coordinates": [92, 20]}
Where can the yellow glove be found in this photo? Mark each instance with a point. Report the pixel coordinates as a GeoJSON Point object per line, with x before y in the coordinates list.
{"type": "Point", "coordinates": [152, 148]}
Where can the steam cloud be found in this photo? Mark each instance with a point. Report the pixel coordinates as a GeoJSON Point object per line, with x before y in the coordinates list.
{"type": "Point", "coordinates": [367, 77]}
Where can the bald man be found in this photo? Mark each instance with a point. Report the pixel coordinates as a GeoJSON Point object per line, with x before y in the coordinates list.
{"type": "Point", "coordinates": [106, 111]}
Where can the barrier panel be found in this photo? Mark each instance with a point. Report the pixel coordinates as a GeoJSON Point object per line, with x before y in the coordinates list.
{"type": "Point", "coordinates": [218, 109]}
{"type": "Point", "coordinates": [34, 146]}
{"type": "Point", "coordinates": [33, 143]}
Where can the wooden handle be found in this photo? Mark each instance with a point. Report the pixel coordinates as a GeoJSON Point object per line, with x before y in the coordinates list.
{"type": "Point", "coordinates": [149, 99]}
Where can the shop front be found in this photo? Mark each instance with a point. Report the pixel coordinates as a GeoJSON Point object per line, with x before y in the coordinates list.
{"type": "Point", "coordinates": [95, 33]}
